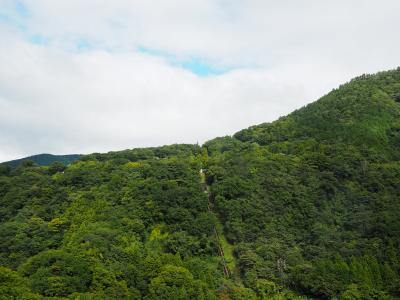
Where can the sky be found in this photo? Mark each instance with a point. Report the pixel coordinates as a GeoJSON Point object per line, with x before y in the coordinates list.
{"type": "Point", "coordinates": [83, 76]}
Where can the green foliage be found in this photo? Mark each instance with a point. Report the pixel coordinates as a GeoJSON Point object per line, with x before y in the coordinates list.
{"type": "Point", "coordinates": [362, 112]}
{"type": "Point", "coordinates": [57, 273]}
{"type": "Point", "coordinates": [265, 289]}
{"type": "Point", "coordinates": [177, 283]}
{"type": "Point", "coordinates": [304, 207]}
{"type": "Point", "coordinates": [316, 206]}
{"type": "Point", "coordinates": [56, 167]}
{"type": "Point", "coordinates": [13, 286]}
{"type": "Point", "coordinates": [4, 169]}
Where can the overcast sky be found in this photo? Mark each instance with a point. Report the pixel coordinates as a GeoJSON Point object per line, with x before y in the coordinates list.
{"type": "Point", "coordinates": [82, 76]}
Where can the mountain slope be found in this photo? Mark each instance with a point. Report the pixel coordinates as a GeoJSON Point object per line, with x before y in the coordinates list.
{"type": "Point", "coordinates": [44, 159]}
{"type": "Point", "coordinates": [308, 207]}
{"type": "Point", "coordinates": [364, 112]}
{"type": "Point", "coordinates": [312, 200]}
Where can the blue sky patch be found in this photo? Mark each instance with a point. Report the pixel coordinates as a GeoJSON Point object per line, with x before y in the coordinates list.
{"type": "Point", "coordinates": [195, 65]}
{"type": "Point", "coordinates": [83, 44]}
{"type": "Point", "coordinates": [12, 22]}
{"type": "Point", "coordinates": [201, 68]}
{"type": "Point", "coordinates": [21, 9]}
{"type": "Point", "coordinates": [39, 39]}
{"type": "Point", "coordinates": [16, 17]}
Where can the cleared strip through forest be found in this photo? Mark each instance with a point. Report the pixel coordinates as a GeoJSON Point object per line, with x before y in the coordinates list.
{"type": "Point", "coordinates": [227, 271]}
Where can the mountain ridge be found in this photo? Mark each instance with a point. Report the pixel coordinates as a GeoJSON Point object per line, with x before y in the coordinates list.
{"type": "Point", "coordinates": [365, 95]}
{"type": "Point", "coordinates": [43, 159]}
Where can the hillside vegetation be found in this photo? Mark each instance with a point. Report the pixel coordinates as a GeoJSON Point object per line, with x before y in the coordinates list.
{"type": "Point", "coordinates": [43, 160]}
{"type": "Point", "coordinates": [306, 207]}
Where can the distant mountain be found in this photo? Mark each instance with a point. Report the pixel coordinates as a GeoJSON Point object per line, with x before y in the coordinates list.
{"type": "Point", "coordinates": [44, 159]}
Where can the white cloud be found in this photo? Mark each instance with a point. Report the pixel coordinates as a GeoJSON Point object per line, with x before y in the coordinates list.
{"type": "Point", "coordinates": [55, 98]}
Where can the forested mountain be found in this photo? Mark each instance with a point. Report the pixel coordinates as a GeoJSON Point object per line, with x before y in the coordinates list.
{"type": "Point", "coordinates": [306, 207]}
{"type": "Point", "coordinates": [44, 159]}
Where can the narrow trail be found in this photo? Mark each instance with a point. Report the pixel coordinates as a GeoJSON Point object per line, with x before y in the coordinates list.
{"type": "Point", "coordinates": [227, 271]}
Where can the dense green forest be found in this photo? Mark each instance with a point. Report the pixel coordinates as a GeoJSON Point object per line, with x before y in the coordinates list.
{"type": "Point", "coordinates": [44, 159]}
{"type": "Point", "coordinates": [306, 207]}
